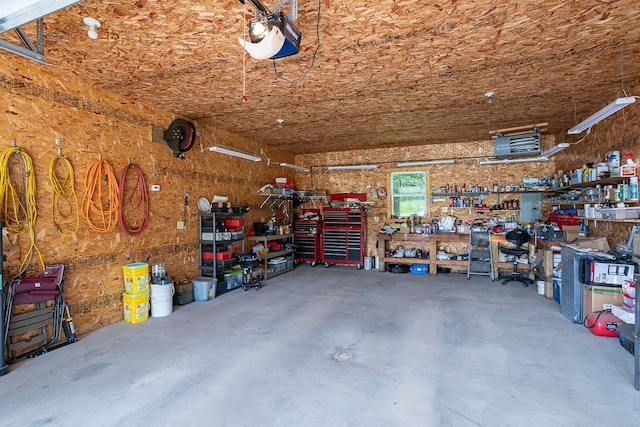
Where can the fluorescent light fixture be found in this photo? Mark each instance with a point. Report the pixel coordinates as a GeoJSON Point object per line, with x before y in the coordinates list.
{"type": "Point", "coordinates": [15, 13]}
{"type": "Point", "coordinates": [298, 168]}
{"type": "Point", "coordinates": [616, 105]}
{"type": "Point", "coordinates": [555, 149]}
{"type": "Point", "coordinates": [426, 162]}
{"type": "Point", "coordinates": [234, 153]}
{"type": "Point", "coordinates": [352, 167]}
{"type": "Point", "coordinates": [522, 160]}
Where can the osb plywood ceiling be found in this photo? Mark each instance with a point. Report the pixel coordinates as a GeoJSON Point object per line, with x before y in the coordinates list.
{"type": "Point", "coordinates": [385, 74]}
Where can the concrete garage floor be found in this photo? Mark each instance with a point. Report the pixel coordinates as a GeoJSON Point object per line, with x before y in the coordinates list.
{"type": "Point", "coordinates": [336, 347]}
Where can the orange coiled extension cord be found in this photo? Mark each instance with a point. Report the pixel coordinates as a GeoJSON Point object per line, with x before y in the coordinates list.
{"type": "Point", "coordinates": [100, 200]}
{"type": "Point", "coordinates": [138, 202]}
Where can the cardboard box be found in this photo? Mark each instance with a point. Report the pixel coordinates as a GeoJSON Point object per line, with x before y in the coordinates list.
{"type": "Point", "coordinates": [573, 232]}
{"type": "Point", "coordinates": [595, 296]}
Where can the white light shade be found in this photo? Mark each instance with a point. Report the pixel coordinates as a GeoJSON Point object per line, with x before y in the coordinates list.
{"type": "Point", "coordinates": [616, 105]}
{"type": "Point", "coordinates": [267, 47]}
{"type": "Point", "coordinates": [298, 168]}
{"type": "Point", "coordinates": [352, 167]}
{"type": "Point", "coordinates": [522, 160]}
{"type": "Point", "coordinates": [15, 13]}
{"type": "Point", "coordinates": [426, 162]}
{"type": "Point", "coordinates": [234, 153]}
{"type": "Point", "coordinates": [555, 149]}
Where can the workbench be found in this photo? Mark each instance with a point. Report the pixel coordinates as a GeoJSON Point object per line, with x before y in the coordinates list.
{"type": "Point", "coordinates": [434, 240]}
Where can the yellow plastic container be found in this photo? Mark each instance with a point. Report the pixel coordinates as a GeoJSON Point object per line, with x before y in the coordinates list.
{"type": "Point", "coordinates": [136, 307]}
{"type": "Point", "coordinates": [136, 277]}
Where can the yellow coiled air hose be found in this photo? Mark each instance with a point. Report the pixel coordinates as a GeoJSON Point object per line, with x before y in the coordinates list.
{"type": "Point", "coordinates": [64, 199]}
{"type": "Point", "coordinates": [18, 198]}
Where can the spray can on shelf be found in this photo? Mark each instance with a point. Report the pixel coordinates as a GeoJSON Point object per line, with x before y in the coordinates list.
{"type": "Point", "coordinates": [633, 188]}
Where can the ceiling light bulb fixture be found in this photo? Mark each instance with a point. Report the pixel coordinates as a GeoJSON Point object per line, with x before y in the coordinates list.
{"type": "Point", "coordinates": [234, 153]}
{"type": "Point", "coordinates": [298, 168]}
{"type": "Point", "coordinates": [92, 23]}
{"type": "Point", "coordinates": [488, 95]}
{"type": "Point", "coordinates": [587, 123]}
{"type": "Point", "coordinates": [426, 162]}
{"type": "Point", "coordinates": [280, 122]}
{"type": "Point", "coordinates": [259, 29]}
{"type": "Point", "coordinates": [352, 167]}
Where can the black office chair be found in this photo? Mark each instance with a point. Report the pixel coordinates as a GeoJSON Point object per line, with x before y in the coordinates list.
{"type": "Point", "coordinates": [517, 237]}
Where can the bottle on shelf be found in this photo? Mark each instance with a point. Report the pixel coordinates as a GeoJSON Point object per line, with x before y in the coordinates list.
{"type": "Point", "coordinates": [633, 188]}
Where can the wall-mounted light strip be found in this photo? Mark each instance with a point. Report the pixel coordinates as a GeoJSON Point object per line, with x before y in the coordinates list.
{"type": "Point", "coordinates": [522, 160]}
{"type": "Point", "coordinates": [616, 105]}
{"type": "Point", "coordinates": [234, 153]}
{"type": "Point", "coordinates": [555, 149]}
{"type": "Point", "coordinates": [426, 162]}
{"type": "Point", "coordinates": [352, 167]}
{"type": "Point", "coordinates": [298, 168]}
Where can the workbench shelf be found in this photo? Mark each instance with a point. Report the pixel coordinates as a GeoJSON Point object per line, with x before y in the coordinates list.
{"type": "Point", "coordinates": [271, 270]}
{"type": "Point", "coordinates": [434, 241]}
{"type": "Point", "coordinates": [579, 186]}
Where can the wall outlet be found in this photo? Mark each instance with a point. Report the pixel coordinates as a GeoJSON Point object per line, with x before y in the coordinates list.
{"type": "Point", "coordinates": [155, 187]}
{"type": "Point", "coordinates": [376, 219]}
{"type": "Point", "coordinates": [445, 210]}
{"type": "Point", "coordinates": [180, 225]}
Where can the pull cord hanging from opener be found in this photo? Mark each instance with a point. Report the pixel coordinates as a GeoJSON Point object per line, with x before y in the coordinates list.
{"type": "Point", "coordinates": [138, 202]}
{"type": "Point", "coordinates": [19, 199]}
{"type": "Point", "coordinates": [100, 200]}
{"type": "Point", "coordinates": [64, 199]}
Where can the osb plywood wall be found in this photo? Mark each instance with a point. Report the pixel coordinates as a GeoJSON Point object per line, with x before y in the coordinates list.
{"type": "Point", "coordinates": [40, 107]}
{"type": "Point", "coordinates": [620, 132]}
{"type": "Point", "coordinates": [466, 170]}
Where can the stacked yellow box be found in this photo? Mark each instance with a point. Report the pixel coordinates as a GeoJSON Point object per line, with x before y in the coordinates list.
{"type": "Point", "coordinates": [135, 299]}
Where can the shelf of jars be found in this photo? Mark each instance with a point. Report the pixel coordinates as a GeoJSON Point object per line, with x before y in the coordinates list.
{"type": "Point", "coordinates": [582, 185]}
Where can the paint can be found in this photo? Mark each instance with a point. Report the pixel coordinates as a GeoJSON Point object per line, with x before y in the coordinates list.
{"type": "Point", "coordinates": [367, 263]}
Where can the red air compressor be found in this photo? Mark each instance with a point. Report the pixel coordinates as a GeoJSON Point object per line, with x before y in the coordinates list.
{"type": "Point", "coordinates": [602, 323]}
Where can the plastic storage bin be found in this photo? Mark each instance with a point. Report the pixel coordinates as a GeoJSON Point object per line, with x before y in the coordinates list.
{"type": "Point", "coordinates": [136, 277]}
{"type": "Point", "coordinates": [233, 277]}
{"type": "Point", "coordinates": [136, 307]}
{"type": "Point", "coordinates": [620, 213]}
{"type": "Point", "coordinates": [204, 288]}
{"type": "Point", "coordinates": [419, 268]}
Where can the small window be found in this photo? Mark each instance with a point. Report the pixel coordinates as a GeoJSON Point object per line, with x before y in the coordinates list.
{"type": "Point", "coordinates": [408, 194]}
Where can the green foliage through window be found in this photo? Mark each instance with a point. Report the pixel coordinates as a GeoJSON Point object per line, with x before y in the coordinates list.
{"type": "Point", "coordinates": [408, 194]}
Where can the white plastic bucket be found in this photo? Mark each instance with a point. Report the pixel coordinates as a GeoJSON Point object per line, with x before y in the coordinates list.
{"type": "Point", "coordinates": [367, 263]}
{"type": "Point", "coordinates": [540, 287]}
{"type": "Point", "coordinates": [161, 300]}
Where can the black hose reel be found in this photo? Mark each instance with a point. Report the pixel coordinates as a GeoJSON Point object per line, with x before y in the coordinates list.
{"type": "Point", "coordinates": [180, 137]}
